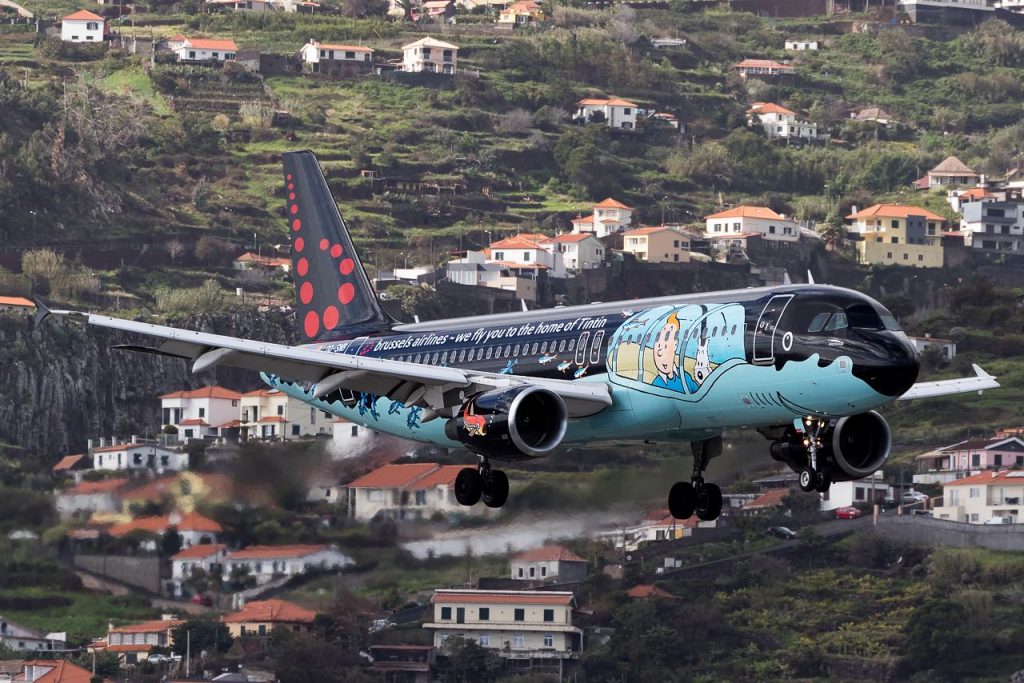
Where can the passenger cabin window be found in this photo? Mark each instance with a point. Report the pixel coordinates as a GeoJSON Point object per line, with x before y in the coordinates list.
{"type": "Point", "coordinates": [534, 352]}
{"type": "Point", "coordinates": [561, 345]}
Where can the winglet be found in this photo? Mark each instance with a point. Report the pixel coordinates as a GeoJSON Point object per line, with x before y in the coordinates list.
{"type": "Point", "coordinates": [979, 372]}
{"type": "Point", "coordinates": [42, 312]}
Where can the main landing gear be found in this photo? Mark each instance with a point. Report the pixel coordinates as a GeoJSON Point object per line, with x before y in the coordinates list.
{"type": "Point", "coordinates": [481, 483]}
{"type": "Point", "coordinates": [687, 497]}
{"type": "Point", "coordinates": [811, 477]}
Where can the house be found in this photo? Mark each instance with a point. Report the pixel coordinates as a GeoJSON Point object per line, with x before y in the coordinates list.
{"type": "Point", "coordinates": [613, 112]}
{"type": "Point", "coordinates": [659, 244]}
{"type": "Point", "coordinates": [272, 414]}
{"type": "Point", "coordinates": [950, 12]}
{"type": "Point", "coordinates": [322, 57]}
{"type": "Point", "coordinates": [527, 251]}
{"type": "Point", "coordinates": [265, 562]}
{"type": "Point", "coordinates": [799, 45]}
{"type": "Point", "coordinates": [16, 304]}
{"type": "Point", "coordinates": [23, 639]}
{"type": "Point", "coordinates": [91, 497]}
{"type": "Point", "coordinates": [431, 56]}
{"type": "Point", "coordinates": [952, 171]}
{"type": "Point", "coordinates": [780, 123]}
{"type": "Point", "coordinates": [408, 491]}
{"type": "Point", "coordinates": [958, 198]}
{"type": "Point", "coordinates": [992, 225]}
{"type": "Point", "coordinates": [411, 663]}
{"type": "Point", "coordinates": [767, 501]}
{"type": "Point", "coordinates": [946, 346]}
{"type": "Point", "coordinates": [438, 10]}
{"type": "Point", "coordinates": [72, 466]}
{"type": "Point", "coordinates": [762, 67]}
{"type": "Point", "coordinates": [288, 6]}
{"type": "Point", "coordinates": [952, 462]}
{"type": "Point", "coordinates": [185, 491]}
{"type": "Point", "coordinates": [324, 489]}
{"type": "Point", "coordinates": [580, 251]}
{"type": "Point", "coordinates": [260, 617]}
{"type": "Point", "coordinates": [206, 50]}
{"type": "Point", "coordinates": [522, 13]}
{"type": "Point", "coordinates": [83, 27]}
{"type": "Point", "coordinates": [208, 411]}
{"type": "Point", "coordinates": [868, 490]}
{"type": "Point", "coordinates": [350, 437]}
{"type": "Point", "coordinates": [608, 216]}
{"type": "Point", "coordinates": [979, 497]}
{"type": "Point", "coordinates": [133, 643]}
{"type": "Point", "coordinates": [757, 220]}
{"type": "Point", "coordinates": [646, 591]}
{"type": "Point", "coordinates": [251, 261]}
{"type": "Point", "coordinates": [192, 527]}
{"type": "Point", "coordinates": [891, 234]}
{"type": "Point", "coordinates": [549, 563]}
{"type": "Point", "coordinates": [207, 558]}
{"type": "Point", "coordinates": [657, 525]}
{"type": "Point", "coordinates": [474, 270]}
{"type": "Point", "coordinates": [531, 627]}
{"type": "Point", "coordinates": [138, 455]}
{"type": "Point", "coordinates": [56, 671]}
{"type": "Point", "coordinates": [873, 115]}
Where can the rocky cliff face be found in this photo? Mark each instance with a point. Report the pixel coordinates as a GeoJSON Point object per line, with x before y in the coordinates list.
{"type": "Point", "coordinates": [61, 384]}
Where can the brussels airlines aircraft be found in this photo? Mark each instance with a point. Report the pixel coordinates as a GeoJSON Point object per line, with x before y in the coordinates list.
{"type": "Point", "coordinates": [805, 365]}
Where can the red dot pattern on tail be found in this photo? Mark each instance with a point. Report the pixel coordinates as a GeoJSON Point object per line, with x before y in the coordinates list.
{"type": "Point", "coordinates": [336, 251]}
{"type": "Point", "coordinates": [306, 292]}
{"type": "Point", "coordinates": [346, 293]}
{"type": "Point", "coordinates": [331, 317]}
{"type": "Point", "coordinates": [312, 324]}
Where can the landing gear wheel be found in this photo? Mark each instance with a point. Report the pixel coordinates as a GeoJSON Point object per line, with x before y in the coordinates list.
{"type": "Point", "coordinates": [807, 477]}
{"type": "Point", "coordinates": [468, 486]}
{"type": "Point", "coordinates": [822, 481]}
{"type": "Point", "coordinates": [709, 502]}
{"type": "Point", "coordinates": [682, 500]}
{"type": "Point", "coordinates": [495, 489]}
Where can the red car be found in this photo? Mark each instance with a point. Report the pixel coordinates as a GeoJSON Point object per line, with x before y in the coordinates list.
{"type": "Point", "coordinates": [848, 513]}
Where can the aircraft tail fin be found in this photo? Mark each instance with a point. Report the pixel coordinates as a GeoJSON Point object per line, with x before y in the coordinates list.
{"type": "Point", "coordinates": [334, 296]}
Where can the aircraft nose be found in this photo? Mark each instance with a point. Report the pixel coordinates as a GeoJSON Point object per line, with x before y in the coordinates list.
{"type": "Point", "coordinates": [893, 366]}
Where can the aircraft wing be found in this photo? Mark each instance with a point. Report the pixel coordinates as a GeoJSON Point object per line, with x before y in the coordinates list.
{"type": "Point", "coordinates": [439, 389]}
{"type": "Point", "coordinates": [945, 387]}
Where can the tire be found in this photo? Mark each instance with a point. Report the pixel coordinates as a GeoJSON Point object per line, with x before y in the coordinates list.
{"type": "Point", "coordinates": [495, 489]}
{"type": "Point", "coordinates": [807, 480]}
{"type": "Point", "coordinates": [468, 486]}
{"type": "Point", "coordinates": [682, 500]}
{"type": "Point", "coordinates": [709, 502]}
{"type": "Point", "coordinates": [822, 481]}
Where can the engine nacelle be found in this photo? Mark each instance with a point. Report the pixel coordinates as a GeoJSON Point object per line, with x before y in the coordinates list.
{"type": "Point", "coordinates": [860, 445]}
{"type": "Point", "coordinates": [519, 422]}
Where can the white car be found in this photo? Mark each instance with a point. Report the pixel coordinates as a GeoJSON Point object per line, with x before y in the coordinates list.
{"type": "Point", "coordinates": [998, 520]}
{"type": "Point", "coordinates": [911, 497]}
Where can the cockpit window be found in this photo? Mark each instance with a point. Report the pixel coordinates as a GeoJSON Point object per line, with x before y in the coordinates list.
{"type": "Point", "coordinates": [863, 317]}
{"type": "Point", "coordinates": [890, 322]}
{"type": "Point", "coordinates": [818, 322]}
{"type": "Point", "coordinates": [836, 322]}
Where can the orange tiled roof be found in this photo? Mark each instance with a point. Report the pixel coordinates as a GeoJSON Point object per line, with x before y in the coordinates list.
{"type": "Point", "coordinates": [610, 203]}
{"type": "Point", "coordinates": [198, 552]}
{"type": "Point", "coordinates": [16, 301]}
{"type": "Point", "coordinates": [347, 48]}
{"type": "Point", "coordinates": [548, 553]}
{"type": "Point", "coordinates": [114, 448]}
{"type": "Point", "coordinates": [768, 499]}
{"type": "Point", "coordinates": [769, 108]}
{"type": "Point", "coordinates": [516, 242]}
{"type": "Point", "coordinates": [570, 237]}
{"type": "Point", "coordinates": [102, 486]}
{"type": "Point", "coordinates": [262, 393]}
{"type": "Point", "coordinates": [271, 611]}
{"type": "Point", "coordinates": [67, 462]}
{"type": "Point", "coordinates": [647, 231]}
{"type": "Point", "coordinates": [276, 551]}
{"type": "Point", "coordinates": [272, 418]}
{"type": "Point", "coordinates": [644, 590]}
{"type": "Point", "coordinates": [212, 44]}
{"type": "Point", "coordinates": [83, 15]}
{"type": "Point", "coordinates": [128, 647]}
{"type": "Point", "coordinates": [1004, 477]}
{"type": "Point", "coordinates": [151, 626]}
{"type": "Point", "coordinates": [61, 671]}
{"type": "Point", "coordinates": [745, 211]}
{"type": "Point", "coordinates": [190, 521]}
{"type": "Point", "coordinates": [442, 476]}
{"type": "Point", "coordinates": [276, 261]}
{"type": "Point", "coordinates": [603, 101]}
{"type": "Point", "coordinates": [502, 597]}
{"type": "Point", "coordinates": [394, 476]}
{"type": "Point", "coordinates": [762, 64]}
{"type": "Point", "coordinates": [894, 211]}
{"type": "Point", "coordinates": [976, 193]}
{"type": "Point", "coordinates": [204, 392]}
{"type": "Point", "coordinates": [194, 422]}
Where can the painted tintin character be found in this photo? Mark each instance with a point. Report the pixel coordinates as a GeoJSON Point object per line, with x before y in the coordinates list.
{"type": "Point", "coordinates": [666, 345]}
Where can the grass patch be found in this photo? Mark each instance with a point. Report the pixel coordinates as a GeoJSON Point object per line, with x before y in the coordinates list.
{"type": "Point", "coordinates": [86, 617]}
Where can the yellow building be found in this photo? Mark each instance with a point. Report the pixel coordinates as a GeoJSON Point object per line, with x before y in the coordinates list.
{"type": "Point", "coordinates": [260, 617]}
{"type": "Point", "coordinates": [893, 234]}
{"type": "Point", "coordinates": [659, 244]}
{"type": "Point", "coordinates": [522, 13]}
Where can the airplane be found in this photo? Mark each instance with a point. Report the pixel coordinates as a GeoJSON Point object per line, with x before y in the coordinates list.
{"type": "Point", "coordinates": [807, 366]}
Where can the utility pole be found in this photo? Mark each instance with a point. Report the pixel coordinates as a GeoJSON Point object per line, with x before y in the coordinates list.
{"type": "Point", "coordinates": [188, 653]}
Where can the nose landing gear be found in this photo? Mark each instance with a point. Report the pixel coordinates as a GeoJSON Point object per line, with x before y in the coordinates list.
{"type": "Point", "coordinates": [811, 477]}
{"type": "Point", "coordinates": [697, 496]}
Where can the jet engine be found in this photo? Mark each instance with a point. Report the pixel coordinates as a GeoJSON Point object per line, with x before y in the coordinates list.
{"type": "Point", "coordinates": [852, 447]}
{"type": "Point", "coordinates": [509, 424]}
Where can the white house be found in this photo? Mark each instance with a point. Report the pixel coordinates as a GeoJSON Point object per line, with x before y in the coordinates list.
{"type": "Point", "coordinates": [90, 497]}
{"type": "Point", "coordinates": [800, 44]}
{"type": "Point", "coordinates": [271, 414]}
{"type": "Point", "coordinates": [782, 123]}
{"type": "Point", "coordinates": [407, 491]}
{"type": "Point", "coordinates": [845, 493]}
{"type": "Point", "coordinates": [759, 220]}
{"type": "Point", "coordinates": [980, 497]}
{"type": "Point", "coordinates": [23, 639]}
{"type": "Point", "coordinates": [430, 55]}
{"type": "Point", "coordinates": [946, 346]}
{"type": "Point", "coordinates": [208, 558]}
{"type": "Point", "coordinates": [526, 251]}
{"type": "Point", "coordinates": [350, 437]}
{"type": "Point", "coordinates": [763, 67]}
{"type": "Point", "coordinates": [952, 171]}
{"type": "Point", "coordinates": [206, 50]}
{"type": "Point", "coordinates": [324, 489]}
{"type": "Point", "coordinates": [264, 562]}
{"type": "Point", "coordinates": [613, 112]}
{"type": "Point", "coordinates": [201, 412]}
{"type": "Point", "coordinates": [83, 27]}
{"type": "Point", "coordinates": [548, 563]}
{"type": "Point", "coordinates": [316, 53]}
{"type": "Point", "coordinates": [580, 251]}
{"type": "Point", "coordinates": [473, 270]}
{"type": "Point", "coordinates": [608, 216]}
{"type": "Point", "coordinates": [192, 527]}
{"type": "Point", "coordinates": [138, 455]}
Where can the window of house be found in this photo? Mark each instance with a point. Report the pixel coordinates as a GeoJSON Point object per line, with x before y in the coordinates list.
{"type": "Point", "coordinates": [349, 54]}
{"type": "Point", "coordinates": [533, 572]}
{"type": "Point", "coordinates": [997, 459]}
{"type": "Point", "coordinates": [975, 460]}
{"type": "Point", "coordinates": [519, 641]}
{"type": "Point", "coordinates": [544, 571]}
{"type": "Point", "coordinates": [520, 572]}
{"type": "Point", "coordinates": [526, 257]}
{"type": "Point", "coordinates": [202, 412]}
{"type": "Point", "coordinates": [549, 615]}
{"type": "Point", "coordinates": [888, 254]}
{"type": "Point", "coordinates": [485, 640]}
{"type": "Point", "coordinates": [974, 493]}
{"type": "Point", "coordinates": [549, 640]}
{"type": "Point", "coordinates": [894, 224]}
{"type": "Point", "coordinates": [421, 497]}
{"type": "Point", "coordinates": [446, 613]}
{"type": "Point", "coordinates": [499, 256]}
{"type": "Point", "coordinates": [375, 495]}
{"type": "Point", "coordinates": [519, 614]}
{"type": "Point", "coordinates": [906, 257]}
{"type": "Point", "coordinates": [137, 458]}
{"type": "Point", "coordinates": [895, 240]}
{"type": "Point", "coordinates": [485, 614]}
{"type": "Point", "coordinates": [164, 460]}
{"type": "Point", "coordinates": [974, 516]}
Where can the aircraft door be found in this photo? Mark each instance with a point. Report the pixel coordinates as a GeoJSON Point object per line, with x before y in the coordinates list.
{"type": "Point", "coordinates": [764, 331]}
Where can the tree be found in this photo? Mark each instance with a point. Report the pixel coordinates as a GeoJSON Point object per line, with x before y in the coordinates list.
{"type": "Point", "coordinates": [303, 658]}
{"type": "Point", "coordinates": [834, 233]}
{"type": "Point", "coordinates": [201, 635]}
{"type": "Point", "coordinates": [935, 634]}
{"type": "Point", "coordinates": [469, 662]}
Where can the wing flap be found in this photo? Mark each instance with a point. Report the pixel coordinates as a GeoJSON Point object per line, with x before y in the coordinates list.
{"type": "Point", "coordinates": [947, 387]}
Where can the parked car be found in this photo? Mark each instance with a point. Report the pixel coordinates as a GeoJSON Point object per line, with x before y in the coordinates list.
{"type": "Point", "coordinates": [204, 600]}
{"type": "Point", "coordinates": [911, 497]}
{"type": "Point", "coordinates": [782, 532]}
{"type": "Point", "coordinates": [887, 503]}
{"type": "Point", "coordinates": [849, 512]}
